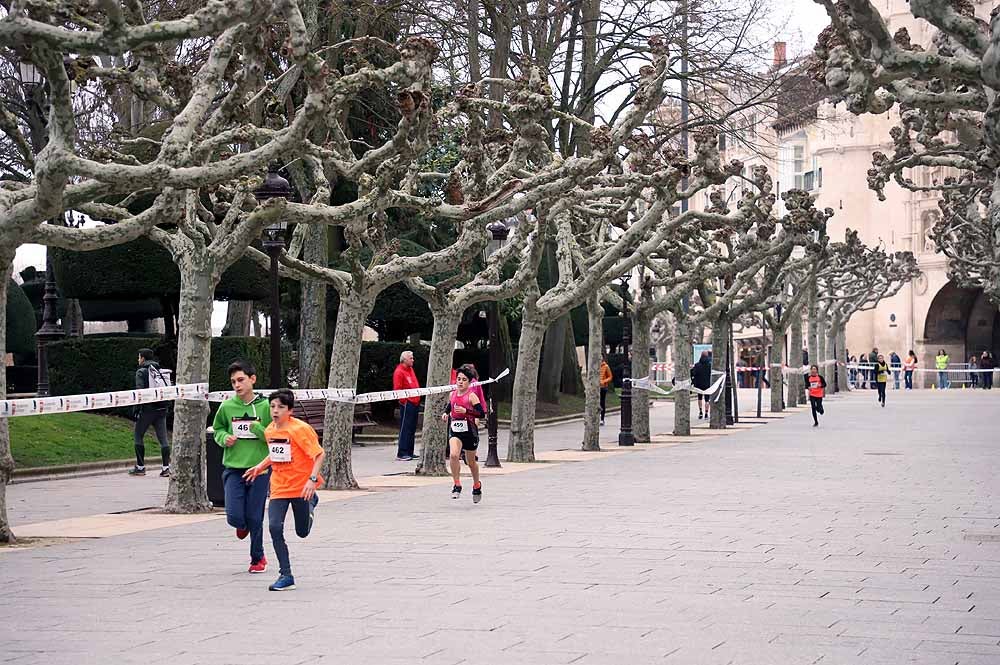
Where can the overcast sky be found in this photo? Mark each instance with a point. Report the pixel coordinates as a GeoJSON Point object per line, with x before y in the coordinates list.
{"type": "Point", "coordinates": [802, 20]}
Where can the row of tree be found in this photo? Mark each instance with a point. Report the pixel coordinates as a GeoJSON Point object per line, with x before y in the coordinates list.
{"type": "Point", "coordinates": [160, 120]}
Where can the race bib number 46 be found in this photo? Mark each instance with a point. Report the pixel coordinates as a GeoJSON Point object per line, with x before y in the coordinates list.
{"type": "Point", "coordinates": [459, 426]}
{"type": "Point", "coordinates": [280, 450]}
{"type": "Point", "coordinates": [242, 428]}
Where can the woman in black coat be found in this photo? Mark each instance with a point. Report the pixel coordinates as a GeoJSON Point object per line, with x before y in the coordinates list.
{"type": "Point", "coordinates": [701, 378]}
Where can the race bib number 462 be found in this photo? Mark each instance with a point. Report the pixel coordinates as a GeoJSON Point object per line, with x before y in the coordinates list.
{"type": "Point", "coordinates": [280, 450]}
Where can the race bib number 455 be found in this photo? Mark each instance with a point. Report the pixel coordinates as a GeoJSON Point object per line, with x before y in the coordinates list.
{"type": "Point", "coordinates": [280, 450]}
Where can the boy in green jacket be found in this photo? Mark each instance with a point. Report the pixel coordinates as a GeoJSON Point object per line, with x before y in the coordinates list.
{"type": "Point", "coordinates": [239, 429]}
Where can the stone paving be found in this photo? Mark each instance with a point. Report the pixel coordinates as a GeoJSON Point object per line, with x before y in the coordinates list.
{"type": "Point", "coordinates": [872, 539]}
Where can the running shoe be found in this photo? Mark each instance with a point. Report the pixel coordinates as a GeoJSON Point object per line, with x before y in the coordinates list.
{"type": "Point", "coordinates": [259, 567]}
{"type": "Point", "coordinates": [137, 471]}
{"type": "Point", "coordinates": [404, 458]}
{"type": "Point", "coordinates": [312, 509]}
{"type": "Point", "coordinates": [283, 583]}
{"type": "Point", "coordinates": [456, 491]}
{"type": "Point", "coordinates": [165, 472]}
{"type": "Point", "coordinates": [477, 493]}
{"type": "Point", "coordinates": [242, 533]}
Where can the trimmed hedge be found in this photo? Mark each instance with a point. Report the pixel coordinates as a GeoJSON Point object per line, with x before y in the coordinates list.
{"type": "Point", "coordinates": [108, 362]}
{"type": "Point", "coordinates": [20, 321]}
{"type": "Point", "coordinates": [142, 269]}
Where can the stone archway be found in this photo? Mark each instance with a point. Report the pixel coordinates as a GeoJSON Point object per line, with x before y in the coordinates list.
{"type": "Point", "coordinates": [962, 321]}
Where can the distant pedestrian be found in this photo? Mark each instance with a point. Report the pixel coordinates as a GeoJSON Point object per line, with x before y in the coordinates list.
{"type": "Point", "coordinates": [895, 362]}
{"type": "Point", "coordinates": [987, 362]}
{"type": "Point", "coordinates": [701, 378]}
{"type": "Point", "coordinates": [853, 373]}
{"type": "Point", "coordinates": [606, 380]}
{"type": "Point", "coordinates": [815, 386]}
{"type": "Point", "coordinates": [941, 364]}
{"type": "Point", "coordinates": [872, 359]}
{"type": "Point", "coordinates": [908, 367]}
{"type": "Point", "coordinates": [881, 377]}
{"type": "Point", "coordinates": [974, 371]}
{"type": "Point", "coordinates": [404, 378]}
{"type": "Point", "coordinates": [149, 375]}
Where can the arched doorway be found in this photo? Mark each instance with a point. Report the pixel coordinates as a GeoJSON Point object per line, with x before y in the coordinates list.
{"type": "Point", "coordinates": [963, 322]}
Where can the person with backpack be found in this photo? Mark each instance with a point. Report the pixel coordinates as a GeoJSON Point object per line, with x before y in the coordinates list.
{"type": "Point", "coordinates": [701, 378]}
{"type": "Point", "coordinates": [881, 377]}
{"type": "Point", "coordinates": [815, 386]}
{"type": "Point", "coordinates": [149, 375]}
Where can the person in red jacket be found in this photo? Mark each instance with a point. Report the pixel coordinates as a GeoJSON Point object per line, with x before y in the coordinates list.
{"type": "Point", "coordinates": [404, 378]}
{"type": "Point", "coordinates": [815, 385]}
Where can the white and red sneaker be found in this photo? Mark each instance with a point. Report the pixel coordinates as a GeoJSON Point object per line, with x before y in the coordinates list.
{"type": "Point", "coordinates": [260, 566]}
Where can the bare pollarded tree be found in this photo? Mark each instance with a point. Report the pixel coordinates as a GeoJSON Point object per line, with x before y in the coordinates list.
{"type": "Point", "coordinates": [949, 116]}
{"type": "Point", "coordinates": [192, 68]}
{"type": "Point", "coordinates": [852, 277]}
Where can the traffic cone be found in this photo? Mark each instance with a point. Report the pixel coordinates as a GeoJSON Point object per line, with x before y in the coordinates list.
{"type": "Point", "coordinates": [933, 386]}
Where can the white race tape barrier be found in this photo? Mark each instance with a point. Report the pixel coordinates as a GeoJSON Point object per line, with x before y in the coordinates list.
{"type": "Point", "coordinates": [649, 383]}
{"type": "Point", "coordinates": [199, 391]}
{"type": "Point", "coordinates": [870, 367]}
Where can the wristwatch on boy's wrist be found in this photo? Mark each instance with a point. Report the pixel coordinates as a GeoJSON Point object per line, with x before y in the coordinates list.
{"type": "Point", "coordinates": [313, 479]}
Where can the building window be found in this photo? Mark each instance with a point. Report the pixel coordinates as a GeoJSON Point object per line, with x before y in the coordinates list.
{"type": "Point", "coordinates": [798, 166]}
{"type": "Point", "coordinates": [752, 125]}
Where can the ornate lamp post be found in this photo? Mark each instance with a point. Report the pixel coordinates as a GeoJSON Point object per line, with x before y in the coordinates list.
{"type": "Point", "coordinates": [33, 83]}
{"type": "Point", "coordinates": [274, 186]}
{"type": "Point", "coordinates": [498, 232]}
{"type": "Point", "coordinates": [625, 436]}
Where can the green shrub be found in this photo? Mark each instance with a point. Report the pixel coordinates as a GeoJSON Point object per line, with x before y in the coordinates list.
{"type": "Point", "coordinates": [108, 362]}
{"type": "Point", "coordinates": [141, 269]}
{"type": "Point", "coordinates": [20, 321]}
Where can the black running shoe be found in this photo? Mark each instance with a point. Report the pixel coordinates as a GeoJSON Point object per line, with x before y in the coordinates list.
{"type": "Point", "coordinates": [137, 471]}
{"type": "Point", "coordinates": [477, 493]}
{"type": "Point", "coordinates": [165, 472]}
{"type": "Point", "coordinates": [456, 491]}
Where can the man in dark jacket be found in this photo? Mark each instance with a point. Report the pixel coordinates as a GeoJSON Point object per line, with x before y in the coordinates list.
{"type": "Point", "coordinates": [154, 413]}
{"type": "Point", "coordinates": [701, 378]}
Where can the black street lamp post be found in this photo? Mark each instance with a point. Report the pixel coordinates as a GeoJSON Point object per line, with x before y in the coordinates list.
{"type": "Point", "coordinates": [274, 186]}
{"type": "Point", "coordinates": [498, 231]}
{"type": "Point", "coordinates": [33, 83]}
{"type": "Point", "coordinates": [625, 436]}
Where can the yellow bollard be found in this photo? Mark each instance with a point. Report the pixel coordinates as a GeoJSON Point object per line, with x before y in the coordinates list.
{"type": "Point", "coordinates": [933, 386]}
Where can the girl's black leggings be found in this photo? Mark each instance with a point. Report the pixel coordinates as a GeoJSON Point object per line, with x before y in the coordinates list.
{"type": "Point", "coordinates": [881, 392]}
{"type": "Point", "coordinates": [817, 407]}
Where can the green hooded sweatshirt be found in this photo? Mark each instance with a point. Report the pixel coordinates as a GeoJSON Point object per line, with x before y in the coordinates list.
{"type": "Point", "coordinates": [245, 453]}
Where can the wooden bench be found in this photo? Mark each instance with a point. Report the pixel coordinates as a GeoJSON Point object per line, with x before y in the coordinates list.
{"type": "Point", "coordinates": [313, 411]}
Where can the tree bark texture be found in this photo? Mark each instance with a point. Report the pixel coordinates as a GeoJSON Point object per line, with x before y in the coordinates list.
{"type": "Point", "coordinates": [795, 389]}
{"type": "Point", "coordinates": [592, 384]}
{"type": "Point", "coordinates": [720, 342]}
{"type": "Point", "coordinates": [187, 492]}
{"type": "Point", "coordinates": [572, 378]}
{"type": "Point", "coordinates": [434, 433]}
{"type": "Point", "coordinates": [312, 319]}
{"type": "Point", "coordinates": [830, 354]}
{"type": "Point", "coordinates": [683, 353]}
{"type": "Point", "coordinates": [504, 389]}
{"type": "Point", "coordinates": [813, 327]}
{"type": "Point", "coordinates": [641, 321]}
{"type": "Point", "coordinates": [522, 412]}
{"type": "Point", "coordinates": [344, 362]}
{"type": "Point", "coordinates": [6, 460]}
{"type": "Point", "coordinates": [777, 375]}
{"type": "Point", "coordinates": [553, 353]}
{"type": "Point", "coordinates": [842, 359]}
{"type": "Point", "coordinates": [238, 318]}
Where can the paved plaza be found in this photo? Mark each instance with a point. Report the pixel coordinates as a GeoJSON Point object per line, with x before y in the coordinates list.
{"type": "Point", "coordinates": [874, 538]}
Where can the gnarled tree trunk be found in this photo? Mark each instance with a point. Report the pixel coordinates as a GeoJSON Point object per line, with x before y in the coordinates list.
{"type": "Point", "coordinates": [830, 355]}
{"type": "Point", "coordinates": [238, 318]}
{"type": "Point", "coordinates": [6, 460]}
{"type": "Point", "coordinates": [795, 389]}
{"type": "Point", "coordinates": [641, 322]}
{"type": "Point", "coordinates": [841, 337]}
{"type": "Point", "coordinates": [776, 370]}
{"type": "Point", "coordinates": [312, 317]}
{"type": "Point", "coordinates": [434, 433]}
{"type": "Point", "coordinates": [522, 412]}
{"type": "Point", "coordinates": [682, 375]}
{"type": "Point", "coordinates": [553, 355]}
{"type": "Point", "coordinates": [339, 417]}
{"type": "Point", "coordinates": [592, 384]}
{"type": "Point", "coordinates": [720, 342]}
{"type": "Point", "coordinates": [187, 492]}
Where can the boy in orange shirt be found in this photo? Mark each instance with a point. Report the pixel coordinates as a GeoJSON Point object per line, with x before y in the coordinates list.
{"type": "Point", "coordinates": [295, 458]}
